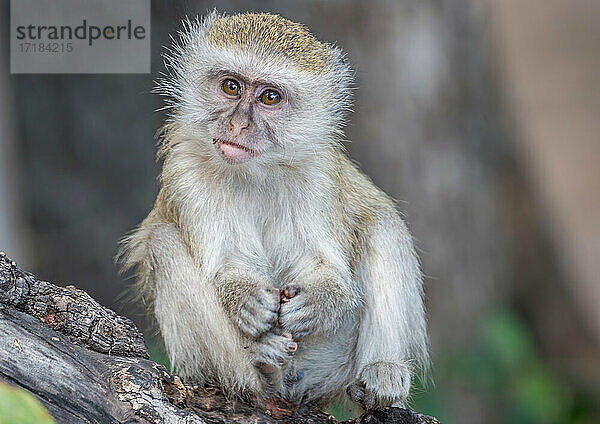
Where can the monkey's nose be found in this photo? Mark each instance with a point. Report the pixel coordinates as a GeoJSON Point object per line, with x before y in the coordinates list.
{"type": "Point", "coordinates": [237, 125]}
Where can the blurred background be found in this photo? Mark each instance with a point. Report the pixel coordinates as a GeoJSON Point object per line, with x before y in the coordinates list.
{"type": "Point", "coordinates": [481, 118]}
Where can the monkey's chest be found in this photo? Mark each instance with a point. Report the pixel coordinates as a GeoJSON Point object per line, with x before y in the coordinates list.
{"type": "Point", "coordinates": [282, 242]}
{"type": "Point", "coordinates": [281, 238]}
{"type": "Point", "coordinates": [291, 244]}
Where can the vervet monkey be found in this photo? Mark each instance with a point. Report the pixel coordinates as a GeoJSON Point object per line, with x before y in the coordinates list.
{"type": "Point", "coordinates": [274, 267]}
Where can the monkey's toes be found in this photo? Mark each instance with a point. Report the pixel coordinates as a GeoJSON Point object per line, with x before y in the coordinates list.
{"type": "Point", "coordinates": [292, 347]}
{"type": "Point", "coordinates": [276, 350]}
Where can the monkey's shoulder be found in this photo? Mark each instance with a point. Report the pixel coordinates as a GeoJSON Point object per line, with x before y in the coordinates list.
{"type": "Point", "coordinates": [158, 235]}
{"type": "Point", "coordinates": [361, 198]}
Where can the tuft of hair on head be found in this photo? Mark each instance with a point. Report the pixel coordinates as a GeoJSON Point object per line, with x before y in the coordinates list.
{"type": "Point", "coordinates": [271, 35]}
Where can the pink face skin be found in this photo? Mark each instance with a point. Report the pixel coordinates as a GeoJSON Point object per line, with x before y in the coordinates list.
{"type": "Point", "coordinates": [245, 109]}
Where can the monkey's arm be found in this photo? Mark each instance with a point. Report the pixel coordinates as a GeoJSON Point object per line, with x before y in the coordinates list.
{"type": "Point", "coordinates": [392, 336]}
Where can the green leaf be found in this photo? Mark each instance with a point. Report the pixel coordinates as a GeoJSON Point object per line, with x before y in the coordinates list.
{"type": "Point", "coordinates": [18, 406]}
{"type": "Point", "coordinates": [508, 340]}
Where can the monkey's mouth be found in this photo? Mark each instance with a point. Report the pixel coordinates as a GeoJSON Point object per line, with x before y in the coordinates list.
{"type": "Point", "coordinates": [233, 152]}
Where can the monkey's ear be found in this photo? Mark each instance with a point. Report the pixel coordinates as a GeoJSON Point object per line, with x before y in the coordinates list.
{"type": "Point", "coordinates": [210, 17]}
{"type": "Point", "coordinates": [343, 79]}
{"type": "Point", "coordinates": [337, 55]}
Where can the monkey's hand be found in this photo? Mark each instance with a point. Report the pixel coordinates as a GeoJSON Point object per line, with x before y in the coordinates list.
{"type": "Point", "coordinates": [381, 384]}
{"type": "Point", "coordinates": [298, 313]}
{"type": "Point", "coordinates": [318, 307]}
{"type": "Point", "coordinates": [257, 313]}
{"type": "Point", "coordinates": [250, 302]}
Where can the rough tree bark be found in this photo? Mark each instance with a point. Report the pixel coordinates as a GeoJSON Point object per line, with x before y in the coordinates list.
{"type": "Point", "coordinates": [87, 364]}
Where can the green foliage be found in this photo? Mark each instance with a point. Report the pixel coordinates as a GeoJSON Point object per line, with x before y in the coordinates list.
{"type": "Point", "coordinates": [157, 351]}
{"type": "Point", "coordinates": [503, 371]}
{"type": "Point", "coordinates": [17, 406]}
{"type": "Point", "coordinates": [343, 411]}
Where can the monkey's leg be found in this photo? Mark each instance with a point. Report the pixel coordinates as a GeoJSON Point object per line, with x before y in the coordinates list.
{"type": "Point", "coordinates": [392, 336]}
{"type": "Point", "coordinates": [202, 342]}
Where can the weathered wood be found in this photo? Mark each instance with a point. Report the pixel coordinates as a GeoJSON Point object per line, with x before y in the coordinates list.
{"type": "Point", "coordinates": [87, 364]}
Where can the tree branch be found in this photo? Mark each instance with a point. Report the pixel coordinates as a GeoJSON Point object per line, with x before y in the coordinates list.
{"type": "Point", "coordinates": [87, 364]}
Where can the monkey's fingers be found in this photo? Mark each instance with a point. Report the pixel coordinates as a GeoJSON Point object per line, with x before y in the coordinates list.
{"type": "Point", "coordinates": [268, 368]}
{"type": "Point", "coordinates": [385, 384]}
{"type": "Point", "coordinates": [288, 293]}
{"type": "Point", "coordinates": [299, 318]}
{"type": "Point", "coordinates": [255, 322]}
{"type": "Point", "coordinates": [360, 394]}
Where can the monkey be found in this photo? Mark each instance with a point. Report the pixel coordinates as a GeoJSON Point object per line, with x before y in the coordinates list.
{"type": "Point", "coordinates": [272, 264]}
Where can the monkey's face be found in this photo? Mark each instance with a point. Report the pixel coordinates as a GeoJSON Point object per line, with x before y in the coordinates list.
{"type": "Point", "coordinates": [253, 115]}
{"type": "Point", "coordinates": [249, 103]}
{"type": "Point", "coordinates": [244, 115]}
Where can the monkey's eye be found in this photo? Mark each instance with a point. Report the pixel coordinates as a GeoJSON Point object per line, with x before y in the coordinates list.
{"type": "Point", "coordinates": [231, 87]}
{"type": "Point", "coordinates": [270, 97]}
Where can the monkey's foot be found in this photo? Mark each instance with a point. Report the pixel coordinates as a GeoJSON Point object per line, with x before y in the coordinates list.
{"type": "Point", "coordinates": [381, 384]}
{"type": "Point", "coordinates": [275, 351]}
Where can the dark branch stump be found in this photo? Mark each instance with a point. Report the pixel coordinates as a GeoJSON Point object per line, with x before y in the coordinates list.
{"type": "Point", "coordinates": [87, 364]}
